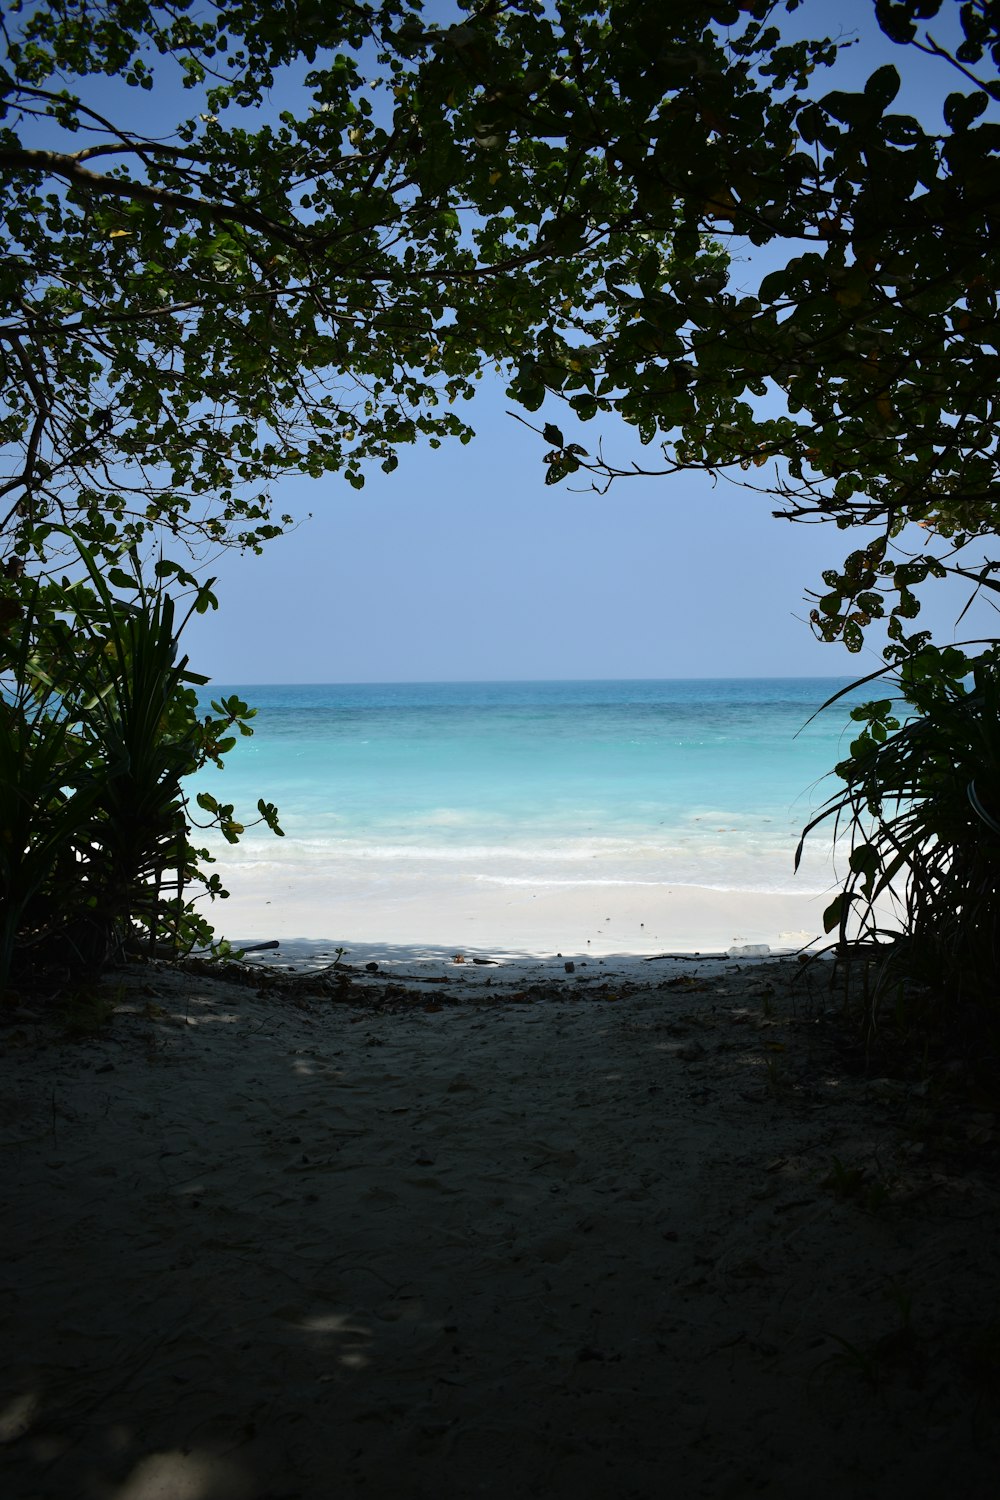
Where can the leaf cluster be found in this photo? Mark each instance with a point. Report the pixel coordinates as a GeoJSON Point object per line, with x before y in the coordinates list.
{"type": "Point", "coordinates": [921, 811]}
{"type": "Point", "coordinates": [185, 318]}
{"type": "Point", "coordinates": [860, 371]}
{"type": "Point", "coordinates": [99, 727]}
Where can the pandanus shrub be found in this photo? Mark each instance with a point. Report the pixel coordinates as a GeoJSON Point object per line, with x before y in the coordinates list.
{"type": "Point", "coordinates": [921, 809]}
{"type": "Point", "coordinates": [99, 727]}
{"type": "Point", "coordinates": [47, 794]}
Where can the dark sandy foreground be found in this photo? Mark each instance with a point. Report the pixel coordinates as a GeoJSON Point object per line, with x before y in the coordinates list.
{"type": "Point", "coordinates": [652, 1238]}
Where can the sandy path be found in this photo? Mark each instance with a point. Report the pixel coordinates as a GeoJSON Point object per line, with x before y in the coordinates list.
{"type": "Point", "coordinates": [258, 1248]}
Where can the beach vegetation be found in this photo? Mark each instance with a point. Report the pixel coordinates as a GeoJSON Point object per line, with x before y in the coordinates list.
{"type": "Point", "coordinates": [99, 726]}
{"type": "Point", "coordinates": [921, 805]}
{"type": "Point", "coordinates": [88, 1010]}
{"type": "Point", "coordinates": [201, 292]}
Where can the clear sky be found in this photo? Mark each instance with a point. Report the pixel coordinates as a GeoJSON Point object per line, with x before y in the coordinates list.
{"type": "Point", "coordinates": [463, 565]}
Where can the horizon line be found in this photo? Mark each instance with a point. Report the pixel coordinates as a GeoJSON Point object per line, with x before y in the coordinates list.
{"type": "Point", "coordinates": [519, 681]}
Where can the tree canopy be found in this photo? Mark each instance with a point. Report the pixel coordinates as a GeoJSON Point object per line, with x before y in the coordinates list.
{"type": "Point", "coordinates": [195, 302]}
{"type": "Point", "coordinates": [865, 360]}
{"type": "Point", "coordinates": [366, 207]}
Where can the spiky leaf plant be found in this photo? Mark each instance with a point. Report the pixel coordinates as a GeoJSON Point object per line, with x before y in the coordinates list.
{"type": "Point", "coordinates": [99, 727]}
{"type": "Point", "coordinates": [921, 809]}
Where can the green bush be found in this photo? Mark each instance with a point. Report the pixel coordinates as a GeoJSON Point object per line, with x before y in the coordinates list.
{"type": "Point", "coordinates": [922, 809]}
{"type": "Point", "coordinates": [99, 726]}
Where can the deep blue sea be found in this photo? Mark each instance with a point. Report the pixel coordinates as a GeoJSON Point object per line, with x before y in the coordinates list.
{"type": "Point", "coordinates": [689, 782]}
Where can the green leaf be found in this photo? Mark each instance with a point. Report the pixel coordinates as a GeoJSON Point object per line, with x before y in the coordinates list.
{"type": "Point", "coordinates": [896, 19]}
{"type": "Point", "coordinates": [120, 579]}
{"type": "Point", "coordinates": [883, 86]}
{"type": "Point", "coordinates": [852, 109]}
{"type": "Point", "coordinates": [835, 912]}
{"type": "Point", "coordinates": [865, 861]}
{"type": "Point", "coordinates": [961, 109]}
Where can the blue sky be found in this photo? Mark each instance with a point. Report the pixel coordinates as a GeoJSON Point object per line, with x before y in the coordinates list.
{"type": "Point", "coordinates": [463, 565]}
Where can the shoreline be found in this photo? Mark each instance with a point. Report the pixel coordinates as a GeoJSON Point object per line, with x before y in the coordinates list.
{"type": "Point", "coordinates": [467, 915]}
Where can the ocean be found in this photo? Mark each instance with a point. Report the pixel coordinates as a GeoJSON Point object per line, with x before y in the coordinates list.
{"type": "Point", "coordinates": [701, 782]}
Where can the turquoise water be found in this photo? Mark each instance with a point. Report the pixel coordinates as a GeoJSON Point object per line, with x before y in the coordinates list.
{"type": "Point", "coordinates": [690, 782]}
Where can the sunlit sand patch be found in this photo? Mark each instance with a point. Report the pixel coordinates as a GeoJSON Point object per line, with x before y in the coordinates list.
{"type": "Point", "coordinates": [183, 1475]}
{"type": "Point", "coordinates": [18, 1415]}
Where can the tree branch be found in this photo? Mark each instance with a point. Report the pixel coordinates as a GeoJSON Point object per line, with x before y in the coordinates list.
{"type": "Point", "coordinates": [94, 183]}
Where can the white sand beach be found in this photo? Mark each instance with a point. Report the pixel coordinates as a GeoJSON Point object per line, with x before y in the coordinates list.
{"type": "Point", "coordinates": [412, 1228]}
{"type": "Point", "coordinates": [542, 919]}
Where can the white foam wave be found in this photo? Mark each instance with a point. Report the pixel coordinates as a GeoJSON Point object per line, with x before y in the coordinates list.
{"type": "Point", "coordinates": [735, 884]}
{"type": "Point", "coordinates": [292, 849]}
